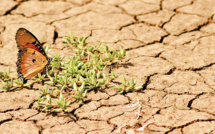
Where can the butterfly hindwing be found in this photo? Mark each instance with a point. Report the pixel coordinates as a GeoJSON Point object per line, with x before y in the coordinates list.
{"type": "Point", "coordinates": [30, 62]}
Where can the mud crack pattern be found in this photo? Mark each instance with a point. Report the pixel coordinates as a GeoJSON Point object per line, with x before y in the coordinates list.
{"type": "Point", "coordinates": [171, 52]}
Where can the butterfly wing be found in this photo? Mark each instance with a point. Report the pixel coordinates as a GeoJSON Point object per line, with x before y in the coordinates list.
{"type": "Point", "coordinates": [32, 58]}
{"type": "Point", "coordinates": [26, 39]}
{"type": "Point", "coordinates": [30, 62]}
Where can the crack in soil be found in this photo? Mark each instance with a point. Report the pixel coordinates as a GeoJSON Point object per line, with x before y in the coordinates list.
{"type": "Point", "coordinates": [93, 130]}
{"type": "Point", "coordinates": [167, 21]}
{"type": "Point", "coordinates": [189, 105]}
{"type": "Point", "coordinates": [205, 82]}
{"type": "Point", "coordinates": [12, 9]}
{"type": "Point", "coordinates": [191, 3]}
{"type": "Point", "coordinates": [189, 123]}
{"type": "Point", "coordinates": [174, 93]}
{"type": "Point", "coordinates": [160, 56]}
{"type": "Point", "coordinates": [7, 120]}
{"type": "Point", "coordinates": [9, 110]}
{"type": "Point", "coordinates": [32, 116]}
{"type": "Point", "coordinates": [108, 120]}
{"type": "Point", "coordinates": [144, 86]}
{"type": "Point", "coordinates": [127, 25]}
{"type": "Point", "coordinates": [55, 36]}
{"type": "Point", "coordinates": [68, 17]}
{"type": "Point", "coordinates": [161, 4]}
{"type": "Point", "coordinates": [162, 37]}
{"type": "Point", "coordinates": [200, 68]}
{"type": "Point", "coordinates": [172, 70]}
{"type": "Point", "coordinates": [195, 29]}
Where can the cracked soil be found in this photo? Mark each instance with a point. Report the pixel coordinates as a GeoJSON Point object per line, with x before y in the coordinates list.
{"type": "Point", "coordinates": [171, 53]}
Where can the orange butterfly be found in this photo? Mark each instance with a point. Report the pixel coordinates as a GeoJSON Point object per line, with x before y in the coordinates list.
{"type": "Point", "coordinates": [32, 58]}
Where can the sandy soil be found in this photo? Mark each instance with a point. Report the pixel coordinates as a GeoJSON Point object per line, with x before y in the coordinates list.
{"type": "Point", "coordinates": [171, 53]}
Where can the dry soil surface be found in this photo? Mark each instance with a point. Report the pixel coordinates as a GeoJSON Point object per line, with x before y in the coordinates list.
{"type": "Point", "coordinates": [171, 54]}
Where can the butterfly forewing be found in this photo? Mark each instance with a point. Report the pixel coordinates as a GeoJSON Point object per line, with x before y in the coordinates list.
{"type": "Point", "coordinates": [30, 63]}
{"type": "Point", "coordinates": [26, 39]}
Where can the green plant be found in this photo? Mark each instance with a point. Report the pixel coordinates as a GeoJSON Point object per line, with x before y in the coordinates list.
{"type": "Point", "coordinates": [128, 86]}
{"type": "Point", "coordinates": [81, 72]}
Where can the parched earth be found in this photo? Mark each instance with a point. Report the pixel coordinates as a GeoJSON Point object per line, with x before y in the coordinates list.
{"type": "Point", "coordinates": [171, 54]}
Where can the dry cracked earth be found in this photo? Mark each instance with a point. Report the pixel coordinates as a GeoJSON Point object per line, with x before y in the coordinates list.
{"type": "Point", "coordinates": [171, 53]}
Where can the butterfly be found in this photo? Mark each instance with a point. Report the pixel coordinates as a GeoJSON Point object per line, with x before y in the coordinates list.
{"type": "Point", "coordinates": [32, 58]}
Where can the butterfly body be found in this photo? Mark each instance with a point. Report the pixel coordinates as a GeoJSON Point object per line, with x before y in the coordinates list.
{"type": "Point", "coordinates": [32, 59]}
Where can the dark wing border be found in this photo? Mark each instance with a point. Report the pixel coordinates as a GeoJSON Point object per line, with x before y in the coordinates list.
{"type": "Point", "coordinates": [18, 67]}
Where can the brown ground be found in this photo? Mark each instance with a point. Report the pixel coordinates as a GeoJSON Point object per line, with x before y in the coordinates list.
{"type": "Point", "coordinates": [171, 53]}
